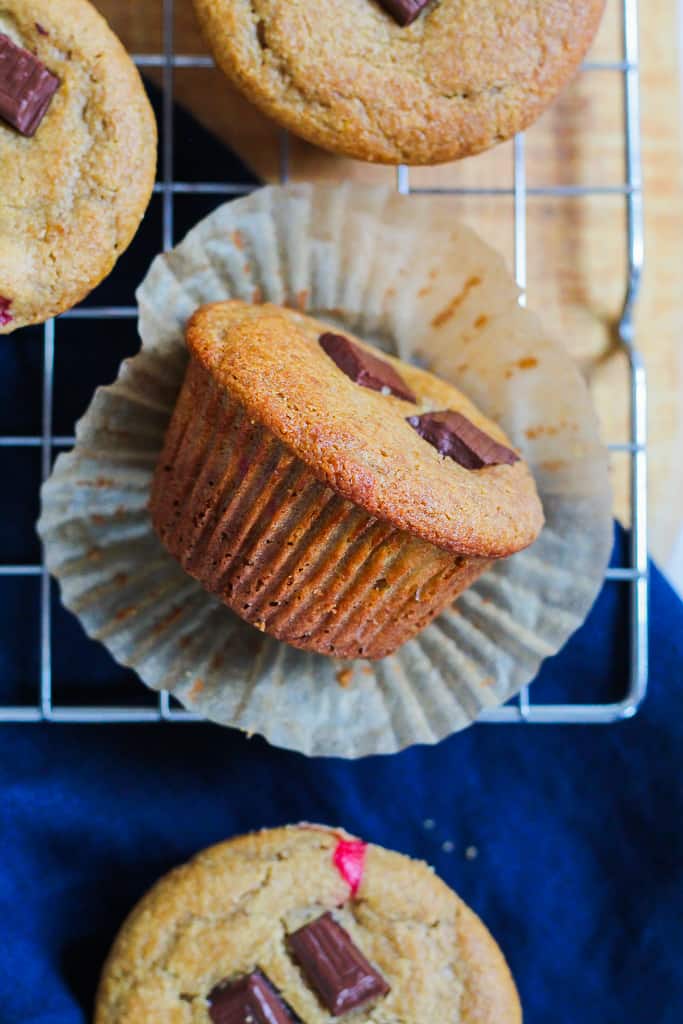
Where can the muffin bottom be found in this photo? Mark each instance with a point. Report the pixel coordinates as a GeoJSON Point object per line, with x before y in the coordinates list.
{"type": "Point", "coordinates": [251, 522]}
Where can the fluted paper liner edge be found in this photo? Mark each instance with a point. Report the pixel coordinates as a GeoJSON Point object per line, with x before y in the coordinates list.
{"type": "Point", "coordinates": [401, 272]}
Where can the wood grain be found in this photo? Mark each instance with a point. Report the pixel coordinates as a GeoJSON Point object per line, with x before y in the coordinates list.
{"type": "Point", "coordinates": [576, 246]}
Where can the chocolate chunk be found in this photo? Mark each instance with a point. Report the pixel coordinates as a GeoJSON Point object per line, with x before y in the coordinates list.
{"type": "Point", "coordinates": [363, 368]}
{"type": "Point", "coordinates": [43, 31]}
{"type": "Point", "coordinates": [249, 1000]}
{"type": "Point", "coordinates": [453, 435]}
{"type": "Point", "coordinates": [5, 315]}
{"type": "Point", "coordinates": [404, 11]}
{"type": "Point", "coordinates": [26, 87]}
{"type": "Point", "coordinates": [335, 967]}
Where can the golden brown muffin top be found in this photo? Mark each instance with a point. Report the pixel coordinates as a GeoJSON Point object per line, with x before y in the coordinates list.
{"type": "Point", "coordinates": [231, 908]}
{"type": "Point", "coordinates": [71, 197]}
{"type": "Point", "coordinates": [465, 75]}
{"type": "Point", "coordinates": [358, 440]}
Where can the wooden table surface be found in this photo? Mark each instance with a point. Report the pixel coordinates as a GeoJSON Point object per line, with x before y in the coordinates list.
{"type": "Point", "coordinates": [576, 246]}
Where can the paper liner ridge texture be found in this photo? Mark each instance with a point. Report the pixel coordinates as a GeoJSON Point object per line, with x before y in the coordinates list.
{"type": "Point", "coordinates": [244, 515]}
{"type": "Point", "coordinates": [398, 271]}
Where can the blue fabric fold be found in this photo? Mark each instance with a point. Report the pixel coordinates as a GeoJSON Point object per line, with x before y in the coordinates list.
{"type": "Point", "coordinates": [567, 840]}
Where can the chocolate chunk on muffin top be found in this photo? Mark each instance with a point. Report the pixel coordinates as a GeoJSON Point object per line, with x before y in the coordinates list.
{"type": "Point", "coordinates": [356, 434]}
{"type": "Point", "coordinates": [268, 928]}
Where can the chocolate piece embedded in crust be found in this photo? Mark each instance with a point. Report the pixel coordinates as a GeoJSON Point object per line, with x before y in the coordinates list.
{"type": "Point", "coordinates": [335, 967]}
{"type": "Point", "coordinates": [363, 367]}
{"type": "Point", "coordinates": [26, 87]}
{"type": "Point", "coordinates": [252, 998]}
{"type": "Point", "coordinates": [452, 434]}
{"type": "Point", "coordinates": [404, 11]}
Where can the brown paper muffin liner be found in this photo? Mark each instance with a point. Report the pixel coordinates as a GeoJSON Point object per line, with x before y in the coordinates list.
{"type": "Point", "coordinates": [398, 271]}
{"type": "Point", "coordinates": [246, 517]}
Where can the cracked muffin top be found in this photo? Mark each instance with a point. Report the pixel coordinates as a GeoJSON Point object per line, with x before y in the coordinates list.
{"type": "Point", "coordinates": [373, 442]}
{"type": "Point", "coordinates": [74, 192]}
{"type": "Point", "coordinates": [354, 78]}
{"type": "Point", "coordinates": [306, 924]}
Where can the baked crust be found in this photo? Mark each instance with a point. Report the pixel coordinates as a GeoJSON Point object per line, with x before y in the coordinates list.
{"type": "Point", "coordinates": [73, 196]}
{"type": "Point", "coordinates": [229, 909]}
{"type": "Point", "coordinates": [465, 75]}
{"type": "Point", "coordinates": [358, 441]}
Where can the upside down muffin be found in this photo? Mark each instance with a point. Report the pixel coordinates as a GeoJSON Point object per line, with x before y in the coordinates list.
{"type": "Point", "coordinates": [331, 495]}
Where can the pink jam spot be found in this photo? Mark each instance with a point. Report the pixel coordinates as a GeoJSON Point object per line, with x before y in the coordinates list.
{"type": "Point", "coordinates": [349, 860]}
{"type": "Point", "coordinates": [5, 315]}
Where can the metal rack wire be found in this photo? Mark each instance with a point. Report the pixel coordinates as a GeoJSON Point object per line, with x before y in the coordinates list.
{"type": "Point", "coordinates": [634, 576]}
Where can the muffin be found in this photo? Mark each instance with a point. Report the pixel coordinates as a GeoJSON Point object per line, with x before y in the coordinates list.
{"type": "Point", "coordinates": [401, 81]}
{"type": "Point", "coordinates": [77, 156]}
{"type": "Point", "coordinates": [333, 497]}
{"type": "Point", "coordinates": [304, 924]}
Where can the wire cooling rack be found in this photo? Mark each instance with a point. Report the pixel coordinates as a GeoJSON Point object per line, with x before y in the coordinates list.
{"type": "Point", "coordinates": [634, 575]}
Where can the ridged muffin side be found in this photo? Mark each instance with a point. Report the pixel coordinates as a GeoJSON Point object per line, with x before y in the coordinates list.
{"type": "Point", "coordinates": [252, 523]}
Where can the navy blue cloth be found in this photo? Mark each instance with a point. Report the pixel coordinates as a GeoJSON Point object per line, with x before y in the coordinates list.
{"type": "Point", "coordinates": [579, 866]}
{"type": "Point", "coordinates": [577, 831]}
